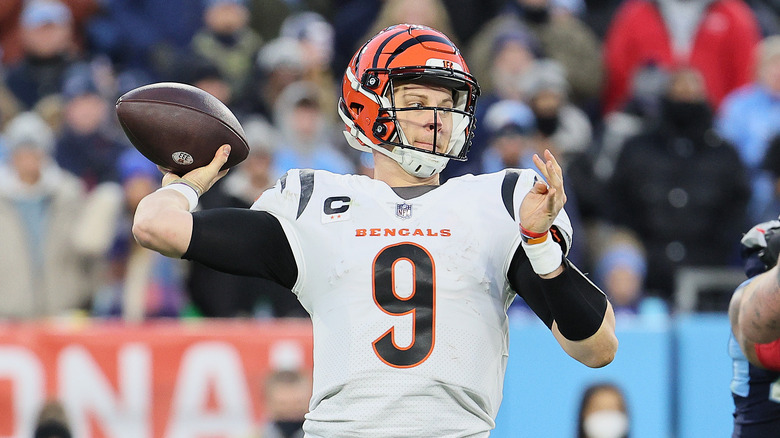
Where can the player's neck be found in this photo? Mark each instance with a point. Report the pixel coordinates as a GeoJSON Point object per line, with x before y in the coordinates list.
{"type": "Point", "coordinates": [391, 173]}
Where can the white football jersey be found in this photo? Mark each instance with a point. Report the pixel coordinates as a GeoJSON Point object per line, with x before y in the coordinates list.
{"type": "Point", "coordinates": [407, 298]}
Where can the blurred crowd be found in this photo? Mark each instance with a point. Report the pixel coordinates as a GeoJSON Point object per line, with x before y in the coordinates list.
{"type": "Point", "coordinates": [664, 113]}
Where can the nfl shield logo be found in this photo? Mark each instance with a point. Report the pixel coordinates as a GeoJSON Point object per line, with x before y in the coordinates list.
{"type": "Point", "coordinates": [404, 211]}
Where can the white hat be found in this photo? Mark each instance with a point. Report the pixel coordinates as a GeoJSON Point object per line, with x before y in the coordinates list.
{"type": "Point", "coordinates": [28, 130]}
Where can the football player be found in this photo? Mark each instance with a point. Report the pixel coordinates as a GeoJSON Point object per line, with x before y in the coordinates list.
{"type": "Point", "coordinates": [754, 344]}
{"type": "Point", "coordinates": [407, 281]}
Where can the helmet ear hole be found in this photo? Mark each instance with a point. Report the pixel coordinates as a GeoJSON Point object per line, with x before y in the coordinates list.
{"type": "Point", "coordinates": [356, 108]}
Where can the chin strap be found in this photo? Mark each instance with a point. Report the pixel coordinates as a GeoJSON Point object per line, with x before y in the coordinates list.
{"type": "Point", "coordinates": [418, 163]}
{"type": "Point", "coordinates": [415, 163]}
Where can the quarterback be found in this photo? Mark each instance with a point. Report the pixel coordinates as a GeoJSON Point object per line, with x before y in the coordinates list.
{"type": "Point", "coordinates": [407, 281]}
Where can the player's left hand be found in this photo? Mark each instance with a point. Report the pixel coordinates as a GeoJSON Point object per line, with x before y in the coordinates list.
{"type": "Point", "coordinates": [543, 202]}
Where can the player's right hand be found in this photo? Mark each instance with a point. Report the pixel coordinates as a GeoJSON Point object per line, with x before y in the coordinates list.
{"type": "Point", "coordinates": [203, 178]}
{"type": "Point", "coordinates": [542, 204]}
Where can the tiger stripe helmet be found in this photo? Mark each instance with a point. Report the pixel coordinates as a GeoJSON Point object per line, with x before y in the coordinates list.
{"type": "Point", "coordinates": [402, 53]}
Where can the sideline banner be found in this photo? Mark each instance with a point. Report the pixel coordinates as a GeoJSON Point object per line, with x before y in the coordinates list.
{"type": "Point", "coordinates": [167, 379]}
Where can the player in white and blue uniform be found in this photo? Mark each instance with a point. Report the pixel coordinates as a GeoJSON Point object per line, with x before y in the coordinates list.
{"type": "Point", "coordinates": [753, 345]}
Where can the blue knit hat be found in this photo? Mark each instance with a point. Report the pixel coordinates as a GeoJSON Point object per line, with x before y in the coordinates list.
{"type": "Point", "coordinates": [132, 164]}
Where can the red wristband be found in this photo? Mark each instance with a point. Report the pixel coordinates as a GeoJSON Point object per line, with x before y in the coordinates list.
{"type": "Point", "coordinates": [531, 237]}
{"type": "Point", "coordinates": [531, 234]}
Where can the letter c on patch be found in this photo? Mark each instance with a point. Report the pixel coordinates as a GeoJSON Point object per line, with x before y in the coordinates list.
{"type": "Point", "coordinates": [341, 204]}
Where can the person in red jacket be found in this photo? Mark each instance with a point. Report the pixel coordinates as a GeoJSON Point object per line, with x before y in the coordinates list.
{"type": "Point", "coordinates": [717, 37]}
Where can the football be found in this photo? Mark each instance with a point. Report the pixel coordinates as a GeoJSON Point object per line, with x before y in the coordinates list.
{"type": "Point", "coordinates": [180, 127]}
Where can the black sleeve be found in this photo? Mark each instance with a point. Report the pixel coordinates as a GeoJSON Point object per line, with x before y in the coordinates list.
{"type": "Point", "coordinates": [571, 299]}
{"type": "Point", "coordinates": [243, 242]}
{"type": "Point", "coordinates": [528, 285]}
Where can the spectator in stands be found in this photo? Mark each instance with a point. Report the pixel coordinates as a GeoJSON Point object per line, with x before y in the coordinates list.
{"type": "Point", "coordinates": [717, 37]}
{"type": "Point", "coordinates": [306, 133]}
{"type": "Point", "coordinates": [430, 13]}
{"type": "Point", "coordinates": [511, 126]}
{"type": "Point", "coordinates": [503, 60]}
{"type": "Point", "coordinates": [771, 164]}
{"type": "Point", "coordinates": [215, 293]}
{"type": "Point", "coordinates": [148, 35]}
{"type": "Point", "coordinates": [680, 187]}
{"type": "Point", "coordinates": [564, 126]}
{"type": "Point", "coordinates": [750, 116]}
{"type": "Point", "coordinates": [244, 184]}
{"type": "Point", "coordinates": [49, 50]}
{"type": "Point", "coordinates": [640, 110]}
{"type": "Point", "coordinates": [562, 37]}
{"type": "Point", "coordinates": [279, 63]}
{"type": "Point", "coordinates": [514, 139]}
{"type": "Point", "coordinates": [89, 143]}
{"type": "Point", "coordinates": [768, 14]}
{"type": "Point", "coordinates": [620, 269]}
{"type": "Point", "coordinates": [468, 17]}
{"type": "Point", "coordinates": [205, 75]}
{"type": "Point", "coordinates": [286, 394]}
{"type": "Point", "coordinates": [11, 27]}
{"type": "Point", "coordinates": [351, 20]}
{"type": "Point", "coordinates": [599, 15]}
{"type": "Point", "coordinates": [52, 422]}
{"type": "Point", "coordinates": [45, 272]}
{"type": "Point", "coordinates": [499, 67]}
{"type": "Point", "coordinates": [603, 412]}
{"type": "Point", "coordinates": [315, 38]}
{"type": "Point", "coordinates": [228, 42]}
{"type": "Point", "coordinates": [139, 283]}
{"type": "Point", "coordinates": [267, 16]}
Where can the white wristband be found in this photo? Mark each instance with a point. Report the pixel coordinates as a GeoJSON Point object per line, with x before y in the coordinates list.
{"type": "Point", "coordinates": [545, 257]}
{"type": "Point", "coordinates": [187, 191]}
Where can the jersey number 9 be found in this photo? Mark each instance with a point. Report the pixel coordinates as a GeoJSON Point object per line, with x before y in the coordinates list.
{"type": "Point", "coordinates": [420, 303]}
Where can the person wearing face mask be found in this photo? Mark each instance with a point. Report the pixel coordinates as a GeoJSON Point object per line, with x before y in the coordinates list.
{"type": "Point", "coordinates": [717, 37]}
{"type": "Point", "coordinates": [562, 36]}
{"type": "Point", "coordinates": [227, 40]}
{"type": "Point", "coordinates": [678, 171]}
{"type": "Point", "coordinates": [749, 117]}
{"type": "Point", "coordinates": [562, 126]}
{"type": "Point", "coordinates": [603, 412]}
{"type": "Point", "coordinates": [286, 394]}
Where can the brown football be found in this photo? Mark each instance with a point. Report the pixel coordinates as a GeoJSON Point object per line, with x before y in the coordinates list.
{"type": "Point", "coordinates": [180, 127]}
